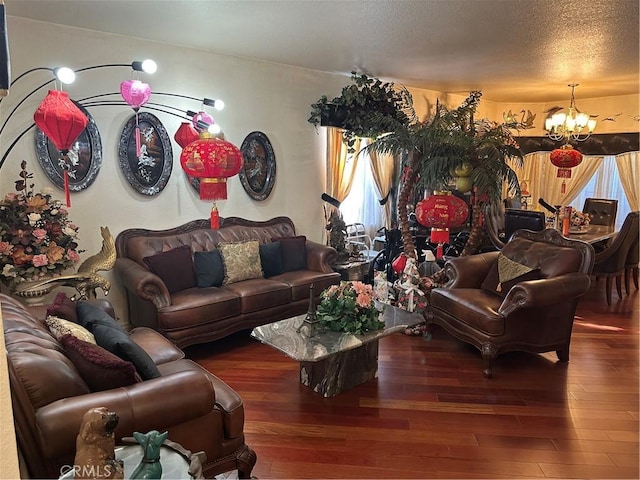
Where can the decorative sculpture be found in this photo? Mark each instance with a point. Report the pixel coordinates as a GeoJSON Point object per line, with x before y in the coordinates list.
{"type": "Point", "coordinates": [86, 280]}
{"type": "Point", "coordinates": [150, 466]}
{"type": "Point", "coordinates": [95, 447]}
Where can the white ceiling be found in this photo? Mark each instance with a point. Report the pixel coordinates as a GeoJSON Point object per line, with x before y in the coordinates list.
{"type": "Point", "coordinates": [512, 50]}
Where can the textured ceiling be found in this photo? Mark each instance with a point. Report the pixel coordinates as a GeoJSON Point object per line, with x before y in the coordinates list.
{"type": "Point", "coordinates": [512, 50]}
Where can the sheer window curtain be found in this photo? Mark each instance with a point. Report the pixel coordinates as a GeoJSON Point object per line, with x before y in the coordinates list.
{"type": "Point", "coordinates": [383, 169]}
{"type": "Point", "coordinates": [629, 170]}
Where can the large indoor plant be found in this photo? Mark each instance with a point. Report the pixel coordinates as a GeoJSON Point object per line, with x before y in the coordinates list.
{"type": "Point", "coordinates": [367, 107]}
{"type": "Point", "coordinates": [37, 238]}
{"type": "Point", "coordinates": [433, 149]}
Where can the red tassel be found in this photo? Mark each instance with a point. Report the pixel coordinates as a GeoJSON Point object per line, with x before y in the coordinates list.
{"type": "Point", "coordinates": [215, 217]}
{"type": "Point", "coordinates": [439, 253]}
{"type": "Point", "coordinates": [137, 141]}
{"type": "Point", "coordinates": [67, 195]}
{"type": "Point", "coordinates": [563, 189]}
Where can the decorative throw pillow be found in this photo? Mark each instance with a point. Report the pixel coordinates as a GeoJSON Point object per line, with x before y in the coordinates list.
{"type": "Point", "coordinates": [271, 259]}
{"type": "Point", "coordinates": [241, 261]}
{"type": "Point", "coordinates": [505, 273]}
{"type": "Point", "coordinates": [294, 253]}
{"type": "Point", "coordinates": [111, 336]}
{"type": "Point", "coordinates": [100, 369]}
{"type": "Point", "coordinates": [174, 267]}
{"type": "Point", "coordinates": [63, 307]}
{"type": "Point", "coordinates": [209, 269]}
{"type": "Point", "coordinates": [60, 327]}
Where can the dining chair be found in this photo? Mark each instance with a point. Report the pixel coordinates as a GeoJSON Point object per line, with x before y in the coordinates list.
{"type": "Point", "coordinates": [631, 266]}
{"type": "Point", "coordinates": [612, 261]}
{"type": "Point", "coordinates": [515, 219]}
{"type": "Point", "coordinates": [602, 211]}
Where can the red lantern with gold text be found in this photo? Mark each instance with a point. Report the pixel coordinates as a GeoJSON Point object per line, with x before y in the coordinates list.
{"type": "Point", "coordinates": [212, 160]}
{"type": "Point", "coordinates": [440, 212]}
{"type": "Point", "coordinates": [565, 158]}
{"type": "Point", "coordinates": [62, 122]}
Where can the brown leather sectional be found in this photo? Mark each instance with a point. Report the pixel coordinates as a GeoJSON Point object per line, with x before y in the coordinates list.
{"type": "Point", "coordinates": [49, 398]}
{"type": "Point", "coordinates": [199, 315]}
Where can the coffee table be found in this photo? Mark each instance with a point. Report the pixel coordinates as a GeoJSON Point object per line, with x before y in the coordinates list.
{"type": "Point", "coordinates": [332, 362]}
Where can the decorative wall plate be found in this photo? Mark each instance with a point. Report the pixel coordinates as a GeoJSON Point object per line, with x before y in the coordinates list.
{"type": "Point", "coordinates": [258, 172]}
{"type": "Point", "coordinates": [85, 156]}
{"type": "Point", "coordinates": [150, 172]}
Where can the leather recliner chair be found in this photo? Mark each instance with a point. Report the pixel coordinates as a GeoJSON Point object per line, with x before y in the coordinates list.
{"type": "Point", "coordinates": [49, 398]}
{"type": "Point", "coordinates": [533, 315]}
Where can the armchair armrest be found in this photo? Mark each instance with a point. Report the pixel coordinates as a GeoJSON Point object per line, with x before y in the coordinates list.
{"type": "Point", "coordinates": [150, 405]}
{"type": "Point", "coordinates": [469, 272]}
{"type": "Point", "coordinates": [546, 292]}
{"type": "Point", "coordinates": [143, 283]}
{"type": "Point", "coordinates": [320, 257]}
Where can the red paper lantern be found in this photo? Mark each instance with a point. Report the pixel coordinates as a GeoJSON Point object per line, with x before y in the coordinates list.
{"type": "Point", "coordinates": [186, 134]}
{"type": "Point", "coordinates": [565, 158]}
{"type": "Point", "coordinates": [62, 122]}
{"type": "Point", "coordinates": [440, 212]}
{"type": "Point", "coordinates": [212, 160]}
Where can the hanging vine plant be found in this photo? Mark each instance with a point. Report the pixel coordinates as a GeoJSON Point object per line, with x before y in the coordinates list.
{"type": "Point", "coordinates": [368, 107]}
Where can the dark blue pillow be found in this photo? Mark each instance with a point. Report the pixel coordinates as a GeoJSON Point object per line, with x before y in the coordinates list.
{"type": "Point", "coordinates": [209, 269]}
{"type": "Point", "coordinates": [271, 259]}
{"type": "Point", "coordinates": [112, 337]}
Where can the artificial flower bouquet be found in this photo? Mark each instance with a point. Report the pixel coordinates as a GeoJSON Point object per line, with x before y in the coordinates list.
{"type": "Point", "coordinates": [349, 307]}
{"type": "Point", "coordinates": [37, 239]}
{"type": "Point", "coordinates": [579, 219]}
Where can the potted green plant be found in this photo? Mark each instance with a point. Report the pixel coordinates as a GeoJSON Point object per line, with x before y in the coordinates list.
{"type": "Point", "coordinates": [366, 108]}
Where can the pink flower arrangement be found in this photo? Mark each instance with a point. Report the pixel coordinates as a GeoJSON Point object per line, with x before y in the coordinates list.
{"type": "Point", "coordinates": [37, 239]}
{"type": "Point", "coordinates": [349, 307]}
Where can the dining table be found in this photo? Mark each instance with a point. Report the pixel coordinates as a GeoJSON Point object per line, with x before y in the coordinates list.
{"type": "Point", "coordinates": [592, 233]}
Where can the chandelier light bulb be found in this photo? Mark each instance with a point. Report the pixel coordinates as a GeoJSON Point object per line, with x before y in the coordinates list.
{"type": "Point", "coordinates": [574, 125]}
{"type": "Point", "coordinates": [65, 75]}
{"type": "Point", "coordinates": [214, 128]}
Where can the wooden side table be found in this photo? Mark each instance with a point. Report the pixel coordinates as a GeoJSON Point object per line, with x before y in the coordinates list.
{"type": "Point", "coordinates": [353, 271]}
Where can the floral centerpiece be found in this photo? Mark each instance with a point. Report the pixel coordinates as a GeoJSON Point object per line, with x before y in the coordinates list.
{"type": "Point", "coordinates": [349, 307]}
{"type": "Point", "coordinates": [37, 239]}
{"type": "Point", "coordinates": [579, 219]}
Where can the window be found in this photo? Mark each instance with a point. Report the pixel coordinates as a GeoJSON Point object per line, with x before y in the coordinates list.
{"type": "Point", "coordinates": [605, 183]}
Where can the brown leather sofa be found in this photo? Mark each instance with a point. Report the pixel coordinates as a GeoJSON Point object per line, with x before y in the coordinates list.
{"type": "Point", "coordinates": [49, 398]}
{"type": "Point", "coordinates": [533, 315]}
{"type": "Point", "coordinates": [199, 315]}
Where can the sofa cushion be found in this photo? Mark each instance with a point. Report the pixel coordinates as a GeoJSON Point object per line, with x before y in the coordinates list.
{"type": "Point", "coordinates": [300, 280]}
{"type": "Point", "coordinates": [294, 253]}
{"type": "Point", "coordinates": [505, 273]}
{"type": "Point", "coordinates": [271, 259]}
{"type": "Point", "coordinates": [241, 260]}
{"type": "Point", "coordinates": [209, 269]}
{"type": "Point", "coordinates": [63, 307]}
{"type": "Point", "coordinates": [59, 327]}
{"type": "Point", "coordinates": [256, 295]}
{"type": "Point", "coordinates": [174, 267]}
{"type": "Point", "coordinates": [111, 336]}
{"type": "Point", "coordinates": [99, 368]}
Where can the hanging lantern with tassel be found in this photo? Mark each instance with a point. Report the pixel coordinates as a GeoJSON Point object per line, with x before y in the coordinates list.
{"type": "Point", "coordinates": [136, 94]}
{"type": "Point", "coordinates": [62, 122]}
{"type": "Point", "coordinates": [186, 134]}
{"type": "Point", "coordinates": [212, 160]}
{"type": "Point", "coordinates": [440, 212]}
{"type": "Point", "coordinates": [565, 158]}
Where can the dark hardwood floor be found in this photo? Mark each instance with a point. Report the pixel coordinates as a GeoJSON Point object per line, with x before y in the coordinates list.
{"type": "Point", "coordinates": [431, 413]}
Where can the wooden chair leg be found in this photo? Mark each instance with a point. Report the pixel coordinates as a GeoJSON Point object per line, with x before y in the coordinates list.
{"type": "Point", "coordinates": [627, 275]}
{"type": "Point", "coordinates": [619, 285]}
{"type": "Point", "coordinates": [635, 276]}
{"type": "Point", "coordinates": [608, 289]}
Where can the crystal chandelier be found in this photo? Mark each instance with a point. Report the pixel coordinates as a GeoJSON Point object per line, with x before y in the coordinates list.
{"type": "Point", "coordinates": [574, 125]}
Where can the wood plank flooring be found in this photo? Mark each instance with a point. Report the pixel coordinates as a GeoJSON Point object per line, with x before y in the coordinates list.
{"type": "Point", "coordinates": [431, 413]}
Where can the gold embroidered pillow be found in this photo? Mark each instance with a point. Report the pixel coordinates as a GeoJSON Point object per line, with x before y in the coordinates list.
{"type": "Point", "coordinates": [59, 327]}
{"type": "Point", "coordinates": [506, 273]}
{"type": "Point", "coordinates": [241, 261]}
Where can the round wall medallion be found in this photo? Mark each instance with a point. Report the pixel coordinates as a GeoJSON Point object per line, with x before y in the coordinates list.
{"type": "Point", "coordinates": [258, 172]}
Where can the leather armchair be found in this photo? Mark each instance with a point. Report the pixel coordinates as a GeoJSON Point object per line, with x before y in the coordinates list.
{"type": "Point", "coordinates": [534, 316]}
{"type": "Point", "coordinates": [613, 260]}
{"type": "Point", "coordinates": [49, 398]}
{"type": "Point", "coordinates": [603, 211]}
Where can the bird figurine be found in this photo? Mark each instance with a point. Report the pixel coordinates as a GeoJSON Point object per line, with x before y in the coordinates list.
{"type": "Point", "coordinates": [86, 280]}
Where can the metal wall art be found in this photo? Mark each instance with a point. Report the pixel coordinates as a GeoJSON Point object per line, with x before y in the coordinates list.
{"type": "Point", "coordinates": [258, 172]}
{"type": "Point", "coordinates": [149, 172]}
{"type": "Point", "coordinates": [84, 157]}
